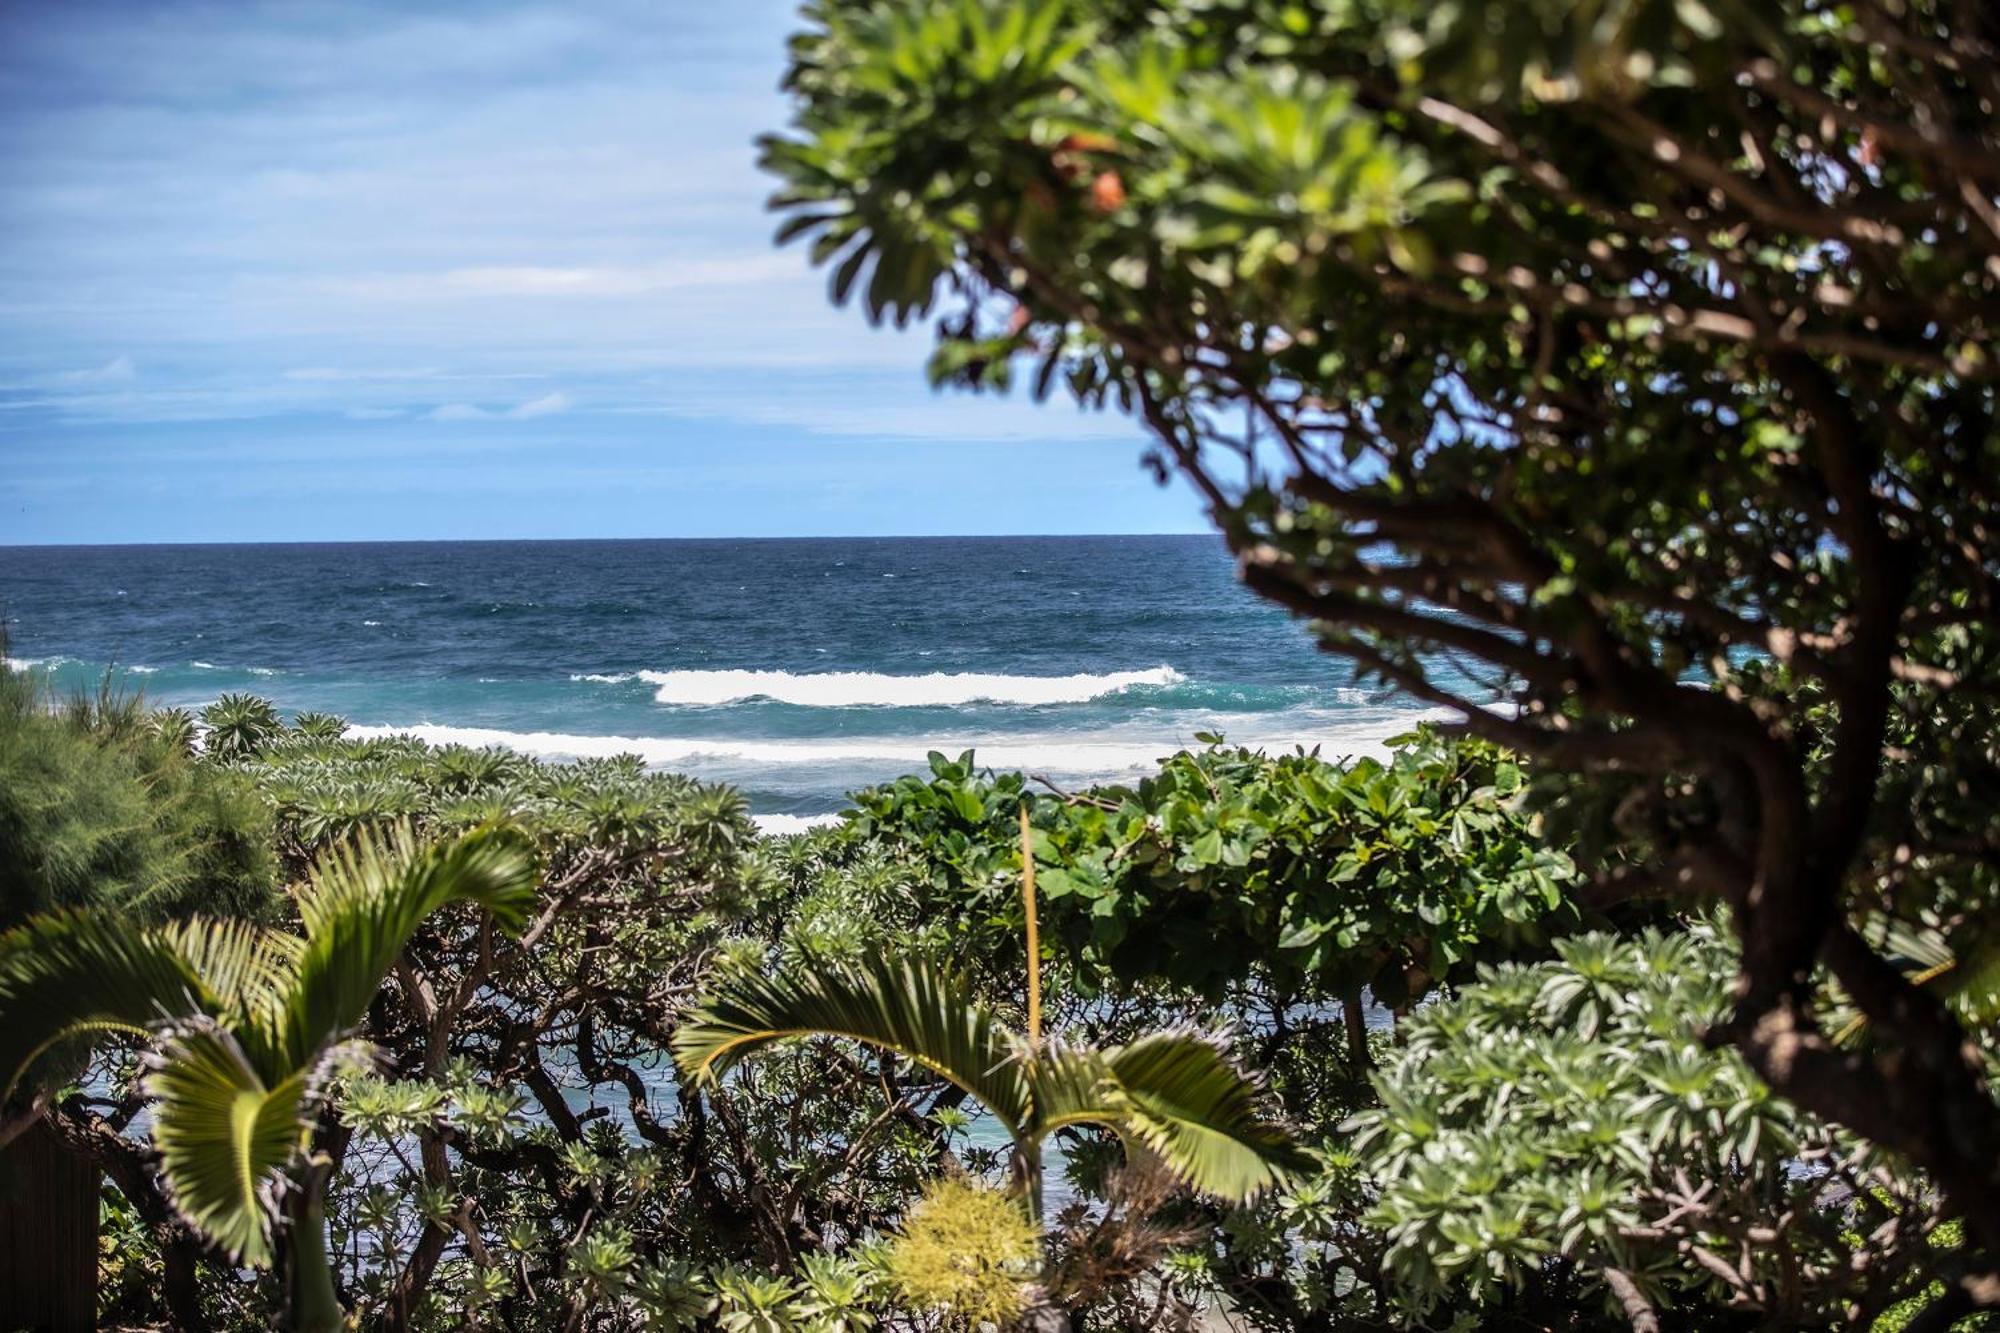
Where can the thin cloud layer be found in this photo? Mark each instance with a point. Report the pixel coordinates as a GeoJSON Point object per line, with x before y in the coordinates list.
{"type": "Point", "coordinates": [355, 231]}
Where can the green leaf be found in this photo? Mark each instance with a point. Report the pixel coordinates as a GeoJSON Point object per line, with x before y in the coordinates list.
{"type": "Point", "coordinates": [1187, 1104]}
{"type": "Point", "coordinates": [73, 973]}
{"type": "Point", "coordinates": [224, 1137]}
{"type": "Point", "coordinates": [918, 1011]}
{"type": "Point", "coordinates": [362, 904]}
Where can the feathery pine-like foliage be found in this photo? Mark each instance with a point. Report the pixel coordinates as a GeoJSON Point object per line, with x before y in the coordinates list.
{"type": "Point", "coordinates": [100, 809]}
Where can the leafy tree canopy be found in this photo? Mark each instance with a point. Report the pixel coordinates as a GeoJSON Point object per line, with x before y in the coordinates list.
{"type": "Point", "coordinates": [1563, 1111]}
{"type": "Point", "coordinates": [1621, 375]}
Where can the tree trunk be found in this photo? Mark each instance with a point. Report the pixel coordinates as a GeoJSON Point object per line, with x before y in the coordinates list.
{"type": "Point", "coordinates": [48, 1234]}
{"type": "Point", "coordinates": [1357, 1033]}
{"type": "Point", "coordinates": [315, 1306]}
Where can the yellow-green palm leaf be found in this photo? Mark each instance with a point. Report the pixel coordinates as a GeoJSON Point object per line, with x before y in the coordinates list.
{"type": "Point", "coordinates": [360, 908]}
{"type": "Point", "coordinates": [225, 1137]}
{"type": "Point", "coordinates": [74, 973]}
{"type": "Point", "coordinates": [247, 967]}
{"type": "Point", "coordinates": [918, 1011]}
{"type": "Point", "coordinates": [245, 1016]}
{"type": "Point", "coordinates": [1186, 1102]}
{"type": "Point", "coordinates": [1173, 1094]}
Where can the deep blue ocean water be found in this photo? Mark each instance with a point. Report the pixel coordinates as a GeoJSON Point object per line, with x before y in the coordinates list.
{"type": "Point", "coordinates": [796, 669]}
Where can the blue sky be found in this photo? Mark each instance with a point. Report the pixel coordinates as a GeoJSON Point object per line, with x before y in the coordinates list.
{"type": "Point", "coordinates": [373, 270]}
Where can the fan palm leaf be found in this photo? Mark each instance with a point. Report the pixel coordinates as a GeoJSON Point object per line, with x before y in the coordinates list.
{"type": "Point", "coordinates": [225, 1138]}
{"type": "Point", "coordinates": [923, 1013]}
{"type": "Point", "coordinates": [1183, 1099]}
{"type": "Point", "coordinates": [362, 904]}
{"type": "Point", "coordinates": [244, 1019]}
{"type": "Point", "coordinates": [76, 973]}
{"type": "Point", "coordinates": [244, 966]}
{"type": "Point", "coordinates": [1174, 1094]}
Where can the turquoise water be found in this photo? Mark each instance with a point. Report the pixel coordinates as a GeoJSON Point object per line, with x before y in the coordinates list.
{"type": "Point", "coordinates": [797, 670]}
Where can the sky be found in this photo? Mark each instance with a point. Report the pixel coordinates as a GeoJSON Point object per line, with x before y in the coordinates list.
{"type": "Point", "coordinates": [375, 270]}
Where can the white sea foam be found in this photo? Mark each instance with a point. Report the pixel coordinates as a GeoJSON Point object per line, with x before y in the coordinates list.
{"type": "Point", "coordinates": [782, 825]}
{"type": "Point", "coordinates": [1092, 755]}
{"type": "Point", "coordinates": [865, 689]}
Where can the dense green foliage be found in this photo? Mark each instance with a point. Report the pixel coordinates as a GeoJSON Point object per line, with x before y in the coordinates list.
{"type": "Point", "coordinates": [1568, 1109]}
{"type": "Point", "coordinates": [98, 807]}
{"type": "Point", "coordinates": [1169, 1095]}
{"type": "Point", "coordinates": [1229, 864]}
{"type": "Point", "coordinates": [245, 1021]}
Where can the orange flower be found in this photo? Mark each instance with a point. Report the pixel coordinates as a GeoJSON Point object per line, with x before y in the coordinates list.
{"type": "Point", "coordinates": [1107, 192]}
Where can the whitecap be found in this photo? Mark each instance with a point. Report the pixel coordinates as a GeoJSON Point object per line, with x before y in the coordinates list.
{"type": "Point", "coordinates": [867, 689]}
{"type": "Point", "coordinates": [780, 826]}
{"type": "Point", "coordinates": [1090, 756]}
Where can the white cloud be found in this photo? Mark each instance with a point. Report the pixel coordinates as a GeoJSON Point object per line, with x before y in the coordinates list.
{"type": "Point", "coordinates": [546, 406]}
{"type": "Point", "coordinates": [317, 374]}
{"type": "Point", "coordinates": [537, 280]}
{"type": "Point", "coordinates": [118, 368]}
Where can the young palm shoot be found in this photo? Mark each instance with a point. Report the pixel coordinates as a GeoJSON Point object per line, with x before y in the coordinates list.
{"type": "Point", "coordinates": [243, 1023]}
{"type": "Point", "coordinates": [1173, 1093]}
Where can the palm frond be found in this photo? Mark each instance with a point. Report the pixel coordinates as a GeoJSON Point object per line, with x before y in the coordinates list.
{"type": "Point", "coordinates": [224, 1137]}
{"type": "Point", "coordinates": [1186, 1102]}
{"type": "Point", "coordinates": [1072, 1085]}
{"type": "Point", "coordinates": [363, 903]}
{"type": "Point", "coordinates": [1975, 991]}
{"type": "Point", "coordinates": [249, 968]}
{"type": "Point", "coordinates": [71, 973]}
{"type": "Point", "coordinates": [918, 1011]}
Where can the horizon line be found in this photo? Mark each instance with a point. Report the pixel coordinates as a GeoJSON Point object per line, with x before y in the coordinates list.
{"type": "Point", "coordinates": [550, 541]}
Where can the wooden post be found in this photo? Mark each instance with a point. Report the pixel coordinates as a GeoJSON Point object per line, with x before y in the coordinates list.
{"type": "Point", "coordinates": [48, 1235]}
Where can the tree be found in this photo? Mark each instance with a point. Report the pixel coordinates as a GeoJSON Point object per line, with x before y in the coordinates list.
{"type": "Point", "coordinates": [101, 807]}
{"type": "Point", "coordinates": [1229, 866]}
{"type": "Point", "coordinates": [1621, 376]}
{"type": "Point", "coordinates": [246, 1023]}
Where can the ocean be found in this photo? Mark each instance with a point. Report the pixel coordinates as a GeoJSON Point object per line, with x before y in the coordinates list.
{"type": "Point", "coordinates": [797, 670]}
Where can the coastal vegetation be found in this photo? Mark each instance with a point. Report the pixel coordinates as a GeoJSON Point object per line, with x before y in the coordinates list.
{"type": "Point", "coordinates": [1619, 377]}
{"type": "Point", "coordinates": [1512, 1120]}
